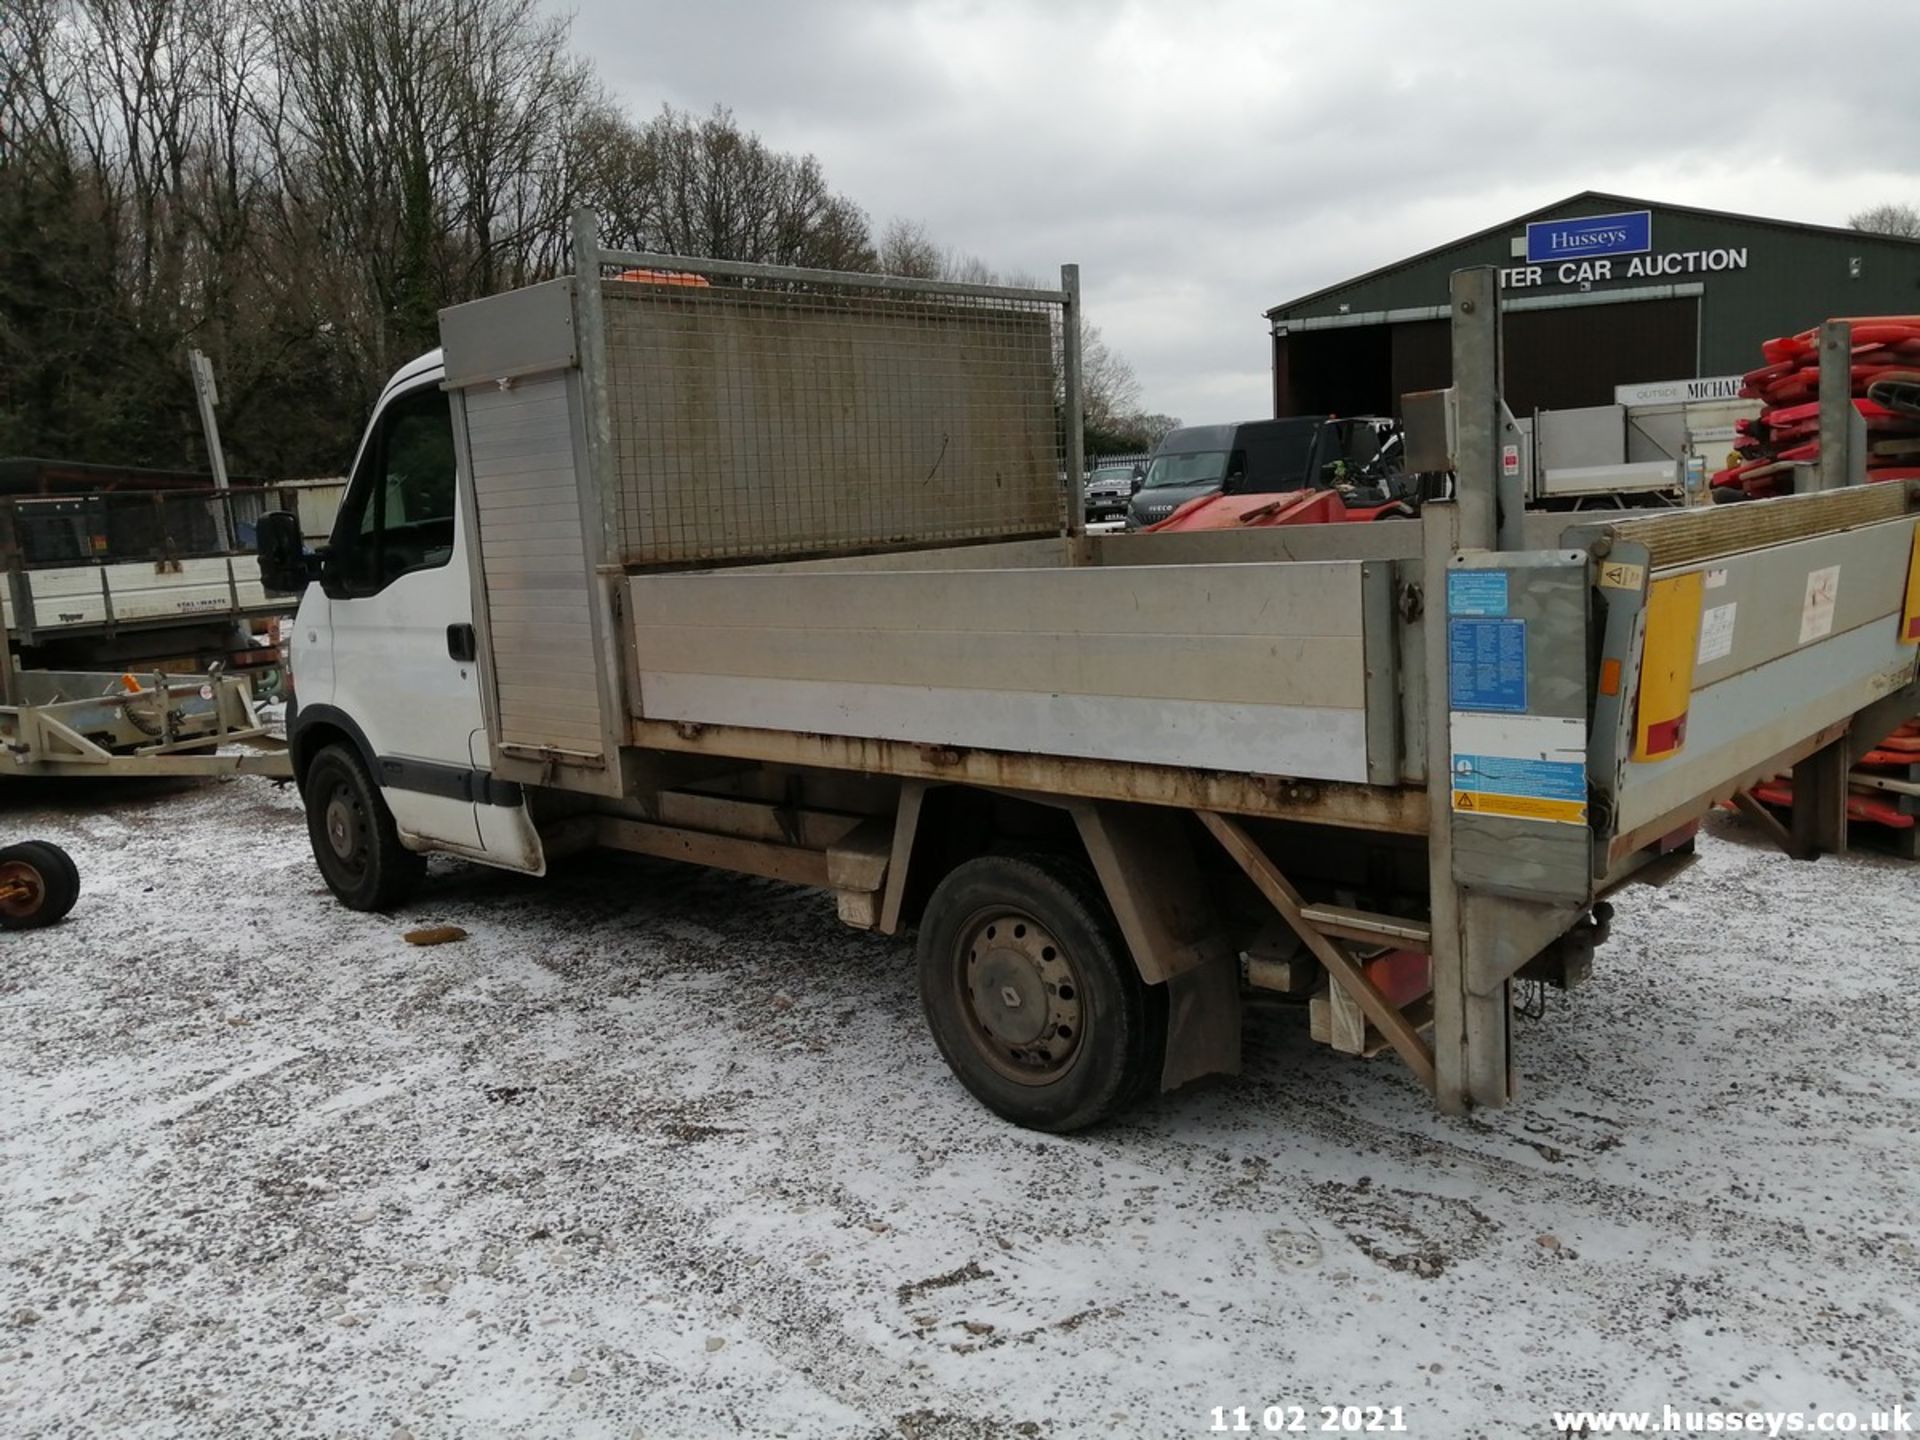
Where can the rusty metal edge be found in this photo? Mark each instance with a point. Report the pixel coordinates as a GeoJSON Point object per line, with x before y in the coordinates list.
{"type": "Point", "coordinates": [1393, 810]}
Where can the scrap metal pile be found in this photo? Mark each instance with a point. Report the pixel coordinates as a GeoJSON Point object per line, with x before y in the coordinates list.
{"type": "Point", "coordinates": [1886, 392]}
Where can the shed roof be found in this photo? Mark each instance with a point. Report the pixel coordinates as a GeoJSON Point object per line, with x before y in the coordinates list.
{"type": "Point", "coordinates": [1583, 197]}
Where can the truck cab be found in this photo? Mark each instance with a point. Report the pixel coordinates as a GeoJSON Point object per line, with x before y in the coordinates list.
{"type": "Point", "coordinates": [387, 732]}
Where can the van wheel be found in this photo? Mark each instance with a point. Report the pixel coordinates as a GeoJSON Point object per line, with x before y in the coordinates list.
{"type": "Point", "coordinates": [1031, 994]}
{"type": "Point", "coordinates": [353, 836]}
{"type": "Point", "coordinates": [38, 884]}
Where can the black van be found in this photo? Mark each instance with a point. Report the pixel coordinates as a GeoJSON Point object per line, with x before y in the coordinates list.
{"type": "Point", "coordinates": [1254, 456]}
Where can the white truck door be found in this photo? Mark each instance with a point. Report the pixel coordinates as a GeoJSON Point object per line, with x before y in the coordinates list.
{"type": "Point", "coordinates": [401, 615]}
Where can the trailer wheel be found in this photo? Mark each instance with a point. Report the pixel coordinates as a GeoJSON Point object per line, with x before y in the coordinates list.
{"type": "Point", "coordinates": [1031, 994]}
{"type": "Point", "coordinates": [353, 835]}
{"type": "Point", "coordinates": [38, 884]}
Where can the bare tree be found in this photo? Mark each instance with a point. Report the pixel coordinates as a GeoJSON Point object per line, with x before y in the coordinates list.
{"type": "Point", "coordinates": [1109, 390]}
{"type": "Point", "coordinates": [428, 151]}
{"type": "Point", "coordinates": [906, 248]}
{"type": "Point", "coordinates": [719, 191]}
{"type": "Point", "coordinates": [1893, 218]}
{"type": "Point", "coordinates": [298, 186]}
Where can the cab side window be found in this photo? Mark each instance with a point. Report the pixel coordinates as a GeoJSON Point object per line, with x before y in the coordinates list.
{"type": "Point", "coordinates": [398, 513]}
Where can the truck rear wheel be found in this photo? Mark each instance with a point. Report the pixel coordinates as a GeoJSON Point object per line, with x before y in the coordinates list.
{"type": "Point", "coordinates": [353, 835]}
{"type": "Point", "coordinates": [38, 884]}
{"type": "Point", "coordinates": [1031, 994]}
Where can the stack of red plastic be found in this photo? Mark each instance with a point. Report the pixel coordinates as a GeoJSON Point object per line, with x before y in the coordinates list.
{"type": "Point", "coordinates": [1895, 758]}
{"type": "Point", "coordinates": [1788, 427]}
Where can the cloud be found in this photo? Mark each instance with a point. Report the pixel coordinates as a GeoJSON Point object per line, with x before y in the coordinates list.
{"type": "Point", "coordinates": [1207, 159]}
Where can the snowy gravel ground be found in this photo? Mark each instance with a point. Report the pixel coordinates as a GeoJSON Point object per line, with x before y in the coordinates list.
{"type": "Point", "coordinates": [656, 1152]}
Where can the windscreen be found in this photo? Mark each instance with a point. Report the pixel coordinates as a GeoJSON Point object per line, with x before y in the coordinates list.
{"type": "Point", "coordinates": [1278, 455]}
{"type": "Point", "coordinates": [1196, 467]}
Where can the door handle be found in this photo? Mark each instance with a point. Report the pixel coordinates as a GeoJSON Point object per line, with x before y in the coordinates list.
{"type": "Point", "coordinates": [461, 644]}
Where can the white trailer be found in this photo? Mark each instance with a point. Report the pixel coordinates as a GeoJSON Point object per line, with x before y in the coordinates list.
{"type": "Point", "coordinates": [1655, 445]}
{"type": "Point", "coordinates": [126, 577]}
{"type": "Point", "coordinates": [123, 611]}
{"type": "Point", "coordinates": [774, 572]}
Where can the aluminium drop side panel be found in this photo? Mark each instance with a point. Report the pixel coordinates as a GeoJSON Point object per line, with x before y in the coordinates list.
{"type": "Point", "coordinates": [1410, 634]}
{"type": "Point", "coordinates": [1380, 624]}
{"type": "Point", "coordinates": [1243, 668]}
{"type": "Point", "coordinates": [1576, 439]}
{"type": "Point", "coordinates": [1792, 639]}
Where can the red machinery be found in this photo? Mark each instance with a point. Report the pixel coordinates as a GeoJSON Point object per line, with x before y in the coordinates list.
{"type": "Point", "coordinates": [1291, 507]}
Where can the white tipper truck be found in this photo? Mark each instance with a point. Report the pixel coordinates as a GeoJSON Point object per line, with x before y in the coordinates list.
{"type": "Point", "coordinates": [772, 570]}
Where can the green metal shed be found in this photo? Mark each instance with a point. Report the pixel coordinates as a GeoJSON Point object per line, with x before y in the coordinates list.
{"type": "Point", "coordinates": [1599, 291]}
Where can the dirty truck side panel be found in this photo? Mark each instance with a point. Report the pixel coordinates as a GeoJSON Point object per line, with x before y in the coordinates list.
{"type": "Point", "coordinates": [1235, 667]}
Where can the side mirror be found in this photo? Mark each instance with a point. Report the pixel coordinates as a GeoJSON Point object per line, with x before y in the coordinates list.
{"type": "Point", "coordinates": [1138, 481]}
{"type": "Point", "coordinates": [1234, 481]}
{"type": "Point", "coordinates": [286, 565]}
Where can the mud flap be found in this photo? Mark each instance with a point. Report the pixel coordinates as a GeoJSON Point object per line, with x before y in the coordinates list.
{"type": "Point", "coordinates": [1144, 860]}
{"type": "Point", "coordinates": [1203, 1022]}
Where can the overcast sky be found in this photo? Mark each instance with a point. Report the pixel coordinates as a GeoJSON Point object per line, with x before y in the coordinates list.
{"type": "Point", "coordinates": [1206, 159]}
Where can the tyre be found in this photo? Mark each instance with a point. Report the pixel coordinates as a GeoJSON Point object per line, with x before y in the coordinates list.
{"type": "Point", "coordinates": [1032, 996]}
{"type": "Point", "coordinates": [353, 836]}
{"type": "Point", "coordinates": [38, 884]}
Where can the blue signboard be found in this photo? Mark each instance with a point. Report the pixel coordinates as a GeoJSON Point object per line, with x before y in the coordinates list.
{"type": "Point", "coordinates": [1628, 234]}
{"type": "Point", "coordinates": [1487, 665]}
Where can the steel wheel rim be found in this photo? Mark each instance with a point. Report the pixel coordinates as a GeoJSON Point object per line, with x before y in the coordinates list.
{"type": "Point", "coordinates": [1019, 995]}
{"type": "Point", "coordinates": [345, 827]}
{"type": "Point", "coordinates": [16, 877]}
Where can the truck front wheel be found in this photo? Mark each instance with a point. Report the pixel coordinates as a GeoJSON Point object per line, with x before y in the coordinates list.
{"type": "Point", "coordinates": [1031, 994]}
{"type": "Point", "coordinates": [353, 835]}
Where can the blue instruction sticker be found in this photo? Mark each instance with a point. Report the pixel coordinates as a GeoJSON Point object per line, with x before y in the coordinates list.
{"type": "Point", "coordinates": [1476, 592]}
{"type": "Point", "coordinates": [1487, 664]}
{"type": "Point", "coordinates": [1503, 775]}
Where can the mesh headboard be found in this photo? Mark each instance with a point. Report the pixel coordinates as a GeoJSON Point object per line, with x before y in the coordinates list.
{"type": "Point", "coordinates": [756, 419]}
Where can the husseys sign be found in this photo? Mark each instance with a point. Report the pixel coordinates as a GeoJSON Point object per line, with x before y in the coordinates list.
{"type": "Point", "coordinates": [1630, 233]}
{"type": "Point", "coordinates": [1599, 249]}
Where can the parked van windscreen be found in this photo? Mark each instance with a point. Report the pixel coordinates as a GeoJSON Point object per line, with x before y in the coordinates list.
{"type": "Point", "coordinates": [1198, 467]}
{"type": "Point", "coordinates": [1279, 452]}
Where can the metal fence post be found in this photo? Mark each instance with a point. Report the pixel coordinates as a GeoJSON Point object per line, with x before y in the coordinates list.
{"type": "Point", "coordinates": [1476, 389]}
{"type": "Point", "coordinates": [1074, 414]}
{"type": "Point", "coordinates": [207, 393]}
{"type": "Point", "coordinates": [1836, 405]}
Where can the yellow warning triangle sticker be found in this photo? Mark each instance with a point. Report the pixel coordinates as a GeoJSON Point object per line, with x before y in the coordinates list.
{"type": "Point", "coordinates": [1463, 802]}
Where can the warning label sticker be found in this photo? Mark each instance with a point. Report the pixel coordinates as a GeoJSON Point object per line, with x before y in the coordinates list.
{"type": "Point", "coordinates": [1520, 767]}
{"type": "Point", "coordinates": [1620, 575]}
{"type": "Point", "coordinates": [1522, 807]}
